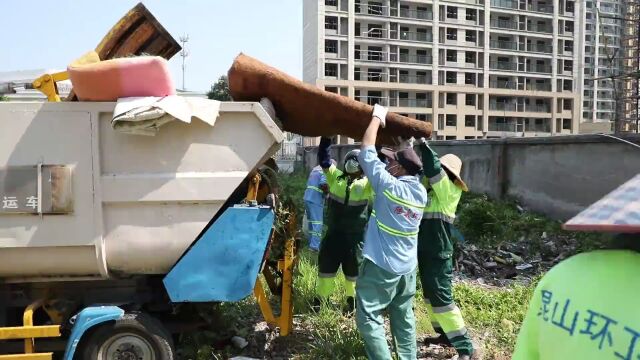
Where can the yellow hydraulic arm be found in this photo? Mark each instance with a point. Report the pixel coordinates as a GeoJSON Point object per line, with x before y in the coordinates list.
{"type": "Point", "coordinates": [46, 84]}
{"type": "Point", "coordinates": [285, 266]}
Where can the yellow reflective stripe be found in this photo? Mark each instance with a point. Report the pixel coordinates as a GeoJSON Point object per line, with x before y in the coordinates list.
{"type": "Point", "coordinates": [395, 232]}
{"type": "Point", "coordinates": [352, 202]}
{"type": "Point", "coordinates": [438, 215]}
{"type": "Point", "coordinates": [400, 201]}
{"type": "Point", "coordinates": [391, 230]}
{"type": "Point", "coordinates": [450, 319]}
{"type": "Point", "coordinates": [310, 187]}
{"type": "Point", "coordinates": [336, 198]}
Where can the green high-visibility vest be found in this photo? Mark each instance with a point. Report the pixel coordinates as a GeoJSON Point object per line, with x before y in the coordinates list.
{"type": "Point", "coordinates": [586, 308]}
{"type": "Point", "coordinates": [443, 197]}
{"type": "Point", "coordinates": [347, 207]}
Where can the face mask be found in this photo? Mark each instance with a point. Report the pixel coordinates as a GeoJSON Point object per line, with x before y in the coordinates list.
{"type": "Point", "coordinates": [351, 166]}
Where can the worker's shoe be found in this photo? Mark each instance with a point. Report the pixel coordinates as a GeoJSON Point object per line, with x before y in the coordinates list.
{"type": "Point", "coordinates": [440, 340]}
{"type": "Point", "coordinates": [350, 306]}
{"type": "Point", "coordinates": [476, 355]}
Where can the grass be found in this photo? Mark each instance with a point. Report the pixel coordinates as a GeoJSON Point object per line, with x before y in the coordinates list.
{"type": "Point", "coordinates": [492, 314]}
{"type": "Point", "coordinates": [334, 335]}
{"type": "Point", "coordinates": [292, 187]}
{"type": "Point", "coordinates": [490, 224]}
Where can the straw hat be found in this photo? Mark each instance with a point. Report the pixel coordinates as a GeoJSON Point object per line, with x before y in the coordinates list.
{"type": "Point", "coordinates": [454, 165]}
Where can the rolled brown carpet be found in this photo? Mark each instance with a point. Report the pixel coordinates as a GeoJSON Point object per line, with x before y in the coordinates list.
{"type": "Point", "coordinates": [306, 110]}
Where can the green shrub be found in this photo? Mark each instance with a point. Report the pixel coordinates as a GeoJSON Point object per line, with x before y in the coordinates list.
{"type": "Point", "coordinates": [292, 187]}
{"type": "Point", "coordinates": [490, 223]}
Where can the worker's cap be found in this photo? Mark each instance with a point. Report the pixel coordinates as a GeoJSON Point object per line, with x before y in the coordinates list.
{"type": "Point", "coordinates": [618, 212]}
{"type": "Point", "coordinates": [407, 158]}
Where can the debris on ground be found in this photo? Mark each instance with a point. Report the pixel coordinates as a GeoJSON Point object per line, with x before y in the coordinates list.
{"type": "Point", "coordinates": [239, 342]}
{"type": "Point", "coordinates": [504, 242]}
{"type": "Point", "coordinates": [503, 247]}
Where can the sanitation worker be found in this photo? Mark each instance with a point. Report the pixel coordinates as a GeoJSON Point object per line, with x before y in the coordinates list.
{"type": "Point", "coordinates": [441, 178]}
{"type": "Point", "coordinates": [387, 281]}
{"type": "Point", "coordinates": [586, 307]}
{"type": "Point", "coordinates": [347, 214]}
{"type": "Point", "coordinates": [314, 202]}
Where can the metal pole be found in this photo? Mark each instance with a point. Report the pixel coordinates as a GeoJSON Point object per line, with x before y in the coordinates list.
{"type": "Point", "coordinates": [184, 39]}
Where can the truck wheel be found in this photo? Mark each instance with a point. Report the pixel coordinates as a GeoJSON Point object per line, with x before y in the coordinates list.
{"type": "Point", "coordinates": [134, 337]}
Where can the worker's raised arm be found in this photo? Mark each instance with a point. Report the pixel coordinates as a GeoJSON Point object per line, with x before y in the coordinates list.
{"type": "Point", "coordinates": [434, 174]}
{"type": "Point", "coordinates": [430, 161]}
{"type": "Point", "coordinates": [330, 171]}
{"type": "Point", "coordinates": [324, 156]}
{"type": "Point", "coordinates": [378, 119]}
{"type": "Point", "coordinates": [374, 169]}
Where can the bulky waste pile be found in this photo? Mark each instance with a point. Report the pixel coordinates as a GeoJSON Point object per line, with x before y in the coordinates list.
{"type": "Point", "coordinates": [501, 242]}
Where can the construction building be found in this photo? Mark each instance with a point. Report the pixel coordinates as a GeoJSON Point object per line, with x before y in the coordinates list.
{"type": "Point", "coordinates": [602, 49]}
{"type": "Point", "coordinates": [630, 77]}
{"type": "Point", "coordinates": [473, 68]}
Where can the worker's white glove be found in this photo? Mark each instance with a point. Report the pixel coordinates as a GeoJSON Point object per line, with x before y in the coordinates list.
{"type": "Point", "coordinates": [380, 112]}
{"type": "Point", "coordinates": [404, 143]}
{"type": "Point", "coordinates": [411, 142]}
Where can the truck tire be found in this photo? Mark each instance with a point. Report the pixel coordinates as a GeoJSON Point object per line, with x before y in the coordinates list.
{"type": "Point", "coordinates": [135, 336]}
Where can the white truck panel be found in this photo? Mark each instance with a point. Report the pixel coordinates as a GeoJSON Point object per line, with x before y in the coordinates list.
{"type": "Point", "coordinates": [138, 202]}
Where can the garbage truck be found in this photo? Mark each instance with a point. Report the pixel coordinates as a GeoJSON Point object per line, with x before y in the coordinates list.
{"type": "Point", "coordinates": [109, 241]}
{"type": "Point", "coordinates": [103, 234]}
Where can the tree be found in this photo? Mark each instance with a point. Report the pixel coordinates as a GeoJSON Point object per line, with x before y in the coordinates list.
{"type": "Point", "coordinates": [220, 90]}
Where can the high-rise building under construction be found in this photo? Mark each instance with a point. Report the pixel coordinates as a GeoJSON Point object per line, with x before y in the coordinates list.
{"type": "Point", "coordinates": [473, 68]}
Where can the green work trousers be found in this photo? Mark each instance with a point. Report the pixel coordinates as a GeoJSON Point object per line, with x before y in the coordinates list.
{"type": "Point", "coordinates": [435, 263]}
{"type": "Point", "coordinates": [377, 291]}
{"type": "Point", "coordinates": [338, 250]}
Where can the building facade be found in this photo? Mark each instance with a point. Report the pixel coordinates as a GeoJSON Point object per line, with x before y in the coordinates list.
{"type": "Point", "coordinates": [603, 54]}
{"type": "Point", "coordinates": [473, 68]}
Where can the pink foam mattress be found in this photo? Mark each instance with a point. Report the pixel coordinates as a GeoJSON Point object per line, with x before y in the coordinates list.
{"type": "Point", "coordinates": [123, 77]}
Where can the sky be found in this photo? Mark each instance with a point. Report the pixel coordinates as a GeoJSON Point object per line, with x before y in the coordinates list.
{"type": "Point", "coordinates": [50, 34]}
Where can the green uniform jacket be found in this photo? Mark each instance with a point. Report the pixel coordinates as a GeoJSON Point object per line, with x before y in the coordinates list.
{"type": "Point", "coordinates": [347, 207]}
{"type": "Point", "coordinates": [440, 212]}
{"type": "Point", "coordinates": [587, 308]}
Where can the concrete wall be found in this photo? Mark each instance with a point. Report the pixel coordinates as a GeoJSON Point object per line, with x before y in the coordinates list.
{"type": "Point", "coordinates": [558, 176]}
